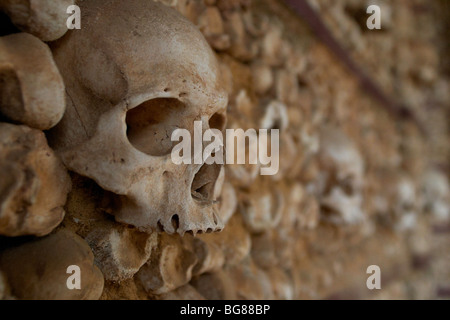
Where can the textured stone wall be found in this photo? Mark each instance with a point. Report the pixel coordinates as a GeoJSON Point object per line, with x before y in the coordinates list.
{"type": "Point", "coordinates": [357, 185]}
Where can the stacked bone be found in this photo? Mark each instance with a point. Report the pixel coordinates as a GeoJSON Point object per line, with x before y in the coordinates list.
{"type": "Point", "coordinates": [310, 231]}
{"type": "Point", "coordinates": [408, 62]}
{"type": "Point", "coordinates": [406, 57]}
{"type": "Point", "coordinates": [34, 182]}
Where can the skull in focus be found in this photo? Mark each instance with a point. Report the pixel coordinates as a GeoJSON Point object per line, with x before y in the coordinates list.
{"type": "Point", "coordinates": [342, 178]}
{"type": "Point", "coordinates": [136, 71]}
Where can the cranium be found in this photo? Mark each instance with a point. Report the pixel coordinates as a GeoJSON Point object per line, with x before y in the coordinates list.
{"type": "Point", "coordinates": [215, 286]}
{"type": "Point", "coordinates": [43, 263]}
{"type": "Point", "coordinates": [134, 73]}
{"type": "Point", "coordinates": [31, 88]}
{"type": "Point", "coordinates": [45, 19]}
{"type": "Point", "coordinates": [251, 282]}
{"type": "Point", "coordinates": [342, 182]}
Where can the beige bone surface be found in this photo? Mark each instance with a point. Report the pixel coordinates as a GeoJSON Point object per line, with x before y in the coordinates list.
{"type": "Point", "coordinates": [120, 252]}
{"type": "Point", "coordinates": [46, 19]}
{"type": "Point", "coordinates": [31, 90]}
{"type": "Point", "coordinates": [161, 77]}
{"type": "Point", "coordinates": [34, 183]}
{"type": "Point", "coordinates": [343, 171]}
{"type": "Point", "coordinates": [170, 266]}
{"type": "Point", "coordinates": [37, 270]}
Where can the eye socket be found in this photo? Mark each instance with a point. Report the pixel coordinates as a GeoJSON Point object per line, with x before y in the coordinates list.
{"type": "Point", "coordinates": [150, 125]}
{"type": "Point", "coordinates": [217, 121]}
{"type": "Point", "coordinates": [347, 186]}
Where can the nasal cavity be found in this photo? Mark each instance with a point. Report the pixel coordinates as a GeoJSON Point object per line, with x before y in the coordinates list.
{"type": "Point", "coordinates": [175, 222]}
{"type": "Point", "coordinates": [150, 125]}
{"type": "Point", "coordinates": [202, 188]}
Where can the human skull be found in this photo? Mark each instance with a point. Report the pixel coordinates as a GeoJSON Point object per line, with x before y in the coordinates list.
{"type": "Point", "coordinates": [340, 186]}
{"type": "Point", "coordinates": [136, 71]}
{"type": "Point", "coordinates": [436, 189]}
{"type": "Point", "coordinates": [396, 202]}
{"type": "Point", "coordinates": [406, 203]}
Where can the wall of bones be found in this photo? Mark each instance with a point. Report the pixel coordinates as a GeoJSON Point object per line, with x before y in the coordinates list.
{"type": "Point", "coordinates": [86, 177]}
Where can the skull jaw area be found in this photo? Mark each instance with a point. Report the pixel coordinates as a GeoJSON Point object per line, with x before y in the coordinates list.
{"type": "Point", "coordinates": [159, 196]}
{"type": "Point", "coordinates": [189, 218]}
{"type": "Point", "coordinates": [177, 205]}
